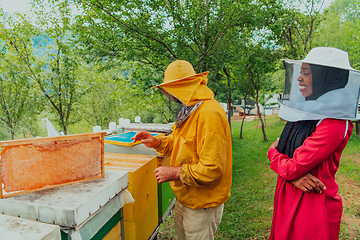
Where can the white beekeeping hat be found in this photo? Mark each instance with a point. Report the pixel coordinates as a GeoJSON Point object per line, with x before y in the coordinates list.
{"type": "Point", "coordinates": [335, 87]}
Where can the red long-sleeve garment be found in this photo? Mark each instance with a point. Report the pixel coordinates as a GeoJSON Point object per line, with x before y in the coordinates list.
{"type": "Point", "coordinates": [300, 215]}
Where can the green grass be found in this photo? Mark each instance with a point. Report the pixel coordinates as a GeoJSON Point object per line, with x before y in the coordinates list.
{"type": "Point", "coordinates": [248, 212]}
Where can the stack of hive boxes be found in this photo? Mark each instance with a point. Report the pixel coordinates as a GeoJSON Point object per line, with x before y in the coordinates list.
{"type": "Point", "coordinates": [61, 181]}
{"type": "Point", "coordinates": [140, 217]}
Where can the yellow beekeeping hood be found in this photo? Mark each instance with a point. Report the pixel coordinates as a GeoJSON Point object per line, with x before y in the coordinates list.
{"type": "Point", "coordinates": [181, 81]}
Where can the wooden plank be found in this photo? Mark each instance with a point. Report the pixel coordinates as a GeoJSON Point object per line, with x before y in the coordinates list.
{"type": "Point", "coordinates": [116, 160]}
{"type": "Point", "coordinates": [49, 139]}
{"type": "Point", "coordinates": [102, 156]}
{"type": "Point", "coordinates": [128, 156]}
{"type": "Point", "coordinates": [1, 192]}
{"type": "Point", "coordinates": [114, 234]}
{"type": "Point", "coordinates": [140, 217]}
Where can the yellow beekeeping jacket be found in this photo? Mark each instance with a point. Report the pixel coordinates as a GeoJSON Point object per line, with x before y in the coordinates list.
{"type": "Point", "coordinates": [201, 146]}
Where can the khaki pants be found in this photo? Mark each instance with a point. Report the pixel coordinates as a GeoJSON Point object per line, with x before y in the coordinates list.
{"type": "Point", "coordinates": [197, 224]}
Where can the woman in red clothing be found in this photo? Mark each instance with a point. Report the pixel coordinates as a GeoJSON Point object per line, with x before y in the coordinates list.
{"type": "Point", "coordinates": [318, 105]}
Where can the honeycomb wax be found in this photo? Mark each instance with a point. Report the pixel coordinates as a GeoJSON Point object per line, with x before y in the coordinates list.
{"type": "Point", "coordinates": [33, 166]}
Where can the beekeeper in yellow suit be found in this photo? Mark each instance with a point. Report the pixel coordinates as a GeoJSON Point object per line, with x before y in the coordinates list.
{"type": "Point", "coordinates": [200, 150]}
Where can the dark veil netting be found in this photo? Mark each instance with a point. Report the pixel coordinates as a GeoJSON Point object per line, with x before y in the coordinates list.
{"type": "Point", "coordinates": [326, 79]}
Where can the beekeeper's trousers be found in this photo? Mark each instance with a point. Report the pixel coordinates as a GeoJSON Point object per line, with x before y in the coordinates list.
{"type": "Point", "coordinates": [197, 224]}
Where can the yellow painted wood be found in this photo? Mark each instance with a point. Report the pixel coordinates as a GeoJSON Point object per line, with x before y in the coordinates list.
{"type": "Point", "coordinates": [143, 188]}
{"type": "Point", "coordinates": [143, 227]}
{"type": "Point", "coordinates": [140, 217]}
{"type": "Point", "coordinates": [114, 234]}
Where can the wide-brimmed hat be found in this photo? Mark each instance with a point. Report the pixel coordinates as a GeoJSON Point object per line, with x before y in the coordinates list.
{"type": "Point", "coordinates": [179, 70]}
{"type": "Point", "coordinates": [335, 87]}
{"type": "Point", "coordinates": [327, 56]}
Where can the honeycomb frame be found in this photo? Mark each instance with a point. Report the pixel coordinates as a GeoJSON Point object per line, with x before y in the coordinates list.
{"type": "Point", "coordinates": [51, 146]}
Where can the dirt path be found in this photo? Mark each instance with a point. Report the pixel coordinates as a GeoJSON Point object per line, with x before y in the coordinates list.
{"type": "Point", "coordinates": [350, 194]}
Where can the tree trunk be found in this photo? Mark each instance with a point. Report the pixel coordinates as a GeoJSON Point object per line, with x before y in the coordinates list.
{"type": "Point", "coordinates": [228, 98]}
{"type": "Point", "coordinates": [229, 108]}
{"type": "Point", "coordinates": [357, 127]}
{"type": "Point", "coordinates": [11, 133]}
{"type": "Point", "coordinates": [242, 122]}
{"type": "Point", "coordinates": [65, 130]}
{"type": "Point", "coordinates": [261, 120]}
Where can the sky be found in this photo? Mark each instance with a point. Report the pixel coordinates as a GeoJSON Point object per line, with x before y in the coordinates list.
{"type": "Point", "coordinates": [23, 6]}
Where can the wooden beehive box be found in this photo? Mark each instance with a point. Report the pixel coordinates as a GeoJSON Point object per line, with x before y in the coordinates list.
{"type": "Point", "coordinates": [35, 164]}
{"type": "Point", "coordinates": [140, 217]}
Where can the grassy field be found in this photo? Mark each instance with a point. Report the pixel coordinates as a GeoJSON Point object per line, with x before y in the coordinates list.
{"type": "Point", "coordinates": [248, 212]}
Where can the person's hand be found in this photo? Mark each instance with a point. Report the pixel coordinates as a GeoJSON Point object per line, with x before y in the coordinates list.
{"type": "Point", "coordinates": [309, 183]}
{"type": "Point", "coordinates": [167, 173]}
{"type": "Point", "coordinates": [147, 139]}
{"type": "Point", "coordinates": [274, 144]}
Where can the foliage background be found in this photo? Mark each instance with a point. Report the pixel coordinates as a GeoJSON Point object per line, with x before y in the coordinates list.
{"type": "Point", "coordinates": [87, 62]}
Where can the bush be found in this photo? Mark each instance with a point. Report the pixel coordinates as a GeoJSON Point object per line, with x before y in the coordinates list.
{"type": "Point", "coordinates": [158, 118]}
{"type": "Point", "coordinates": [147, 117]}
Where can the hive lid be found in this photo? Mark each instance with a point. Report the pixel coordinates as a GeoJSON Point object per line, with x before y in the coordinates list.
{"type": "Point", "coordinates": [23, 229]}
{"type": "Point", "coordinates": [67, 206]}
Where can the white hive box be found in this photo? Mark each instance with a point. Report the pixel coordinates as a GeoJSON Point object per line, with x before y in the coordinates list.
{"type": "Point", "coordinates": [68, 206]}
{"type": "Point", "coordinates": [23, 229]}
{"type": "Point", "coordinates": [150, 127]}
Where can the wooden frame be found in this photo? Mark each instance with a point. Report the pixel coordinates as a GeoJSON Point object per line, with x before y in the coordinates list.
{"type": "Point", "coordinates": [111, 139]}
{"type": "Point", "coordinates": [47, 140]}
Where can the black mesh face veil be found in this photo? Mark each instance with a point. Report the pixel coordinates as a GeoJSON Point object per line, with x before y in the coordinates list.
{"type": "Point", "coordinates": [326, 79]}
{"type": "Point", "coordinates": [288, 80]}
{"type": "Point", "coordinates": [169, 95]}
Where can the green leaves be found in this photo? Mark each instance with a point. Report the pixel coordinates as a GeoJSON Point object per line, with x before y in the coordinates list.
{"type": "Point", "coordinates": [47, 57]}
{"type": "Point", "coordinates": [125, 46]}
{"type": "Point", "coordinates": [340, 27]}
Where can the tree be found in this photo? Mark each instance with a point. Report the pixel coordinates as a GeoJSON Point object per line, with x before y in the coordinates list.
{"type": "Point", "coordinates": [19, 99]}
{"type": "Point", "coordinates": [247, 90]}
{"type": "Point", "coordinates": [55, 70]}
{"type": "Point", "coordinates": [141, 78]}
{"type": "Point", "coordinates": [101, 102]}
{"type": "Point", "coordinates": [154, 33]}
{"type": "Point", "coordinates": [260, 61]}
{"type": "Point", "coordinates": [159, 32]}
{"type": "Point", "coordinates": [339, 28]}
{"type": "Point", "coordinates": [14, 96]}
{"type": "Point", "coordinates": [294, 29]}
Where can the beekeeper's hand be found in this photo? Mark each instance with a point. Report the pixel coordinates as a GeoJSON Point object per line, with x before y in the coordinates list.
{"type": "Point", "coordinates": [167, 173]}
{"type": "Point", "coordinates": [147, 139]}
{"type": "Point", "coordinates": [274, 144]}
{"type": "Point", "coordinates": [309, 183]}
